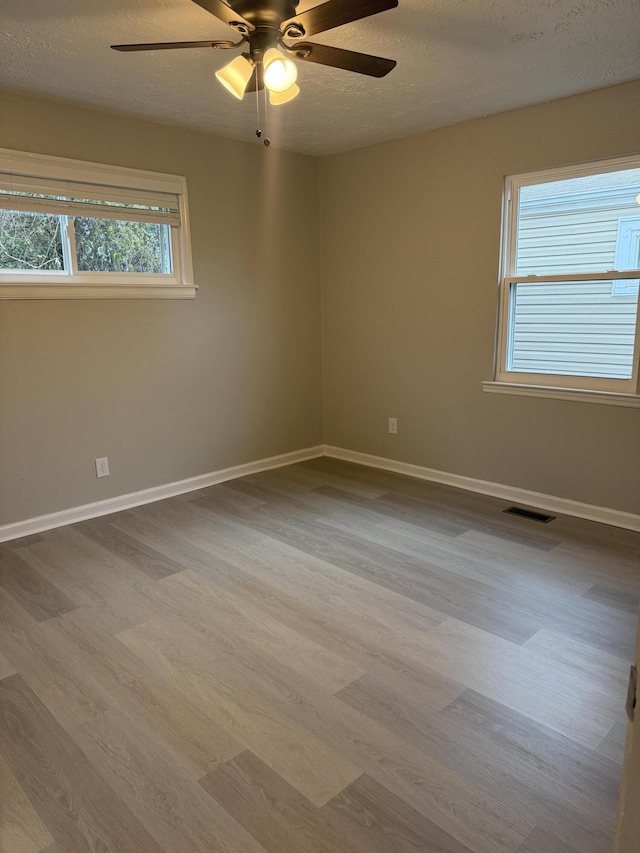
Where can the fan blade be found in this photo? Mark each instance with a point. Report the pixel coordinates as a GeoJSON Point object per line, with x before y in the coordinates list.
{"type": "Point", "coordinates": [173, 45]}
{"type": "Point", "coordinates": [224, 13]}
{"type": "Point", "coordinates": [335, 13]}
{"type": "Point", "coordinates": [361, 63]}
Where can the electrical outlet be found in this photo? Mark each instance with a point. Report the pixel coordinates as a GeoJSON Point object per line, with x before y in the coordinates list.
{"type": "Point", "coordinates": [102, 467]}
{"type": "Point", "coordinates": [393, 426]}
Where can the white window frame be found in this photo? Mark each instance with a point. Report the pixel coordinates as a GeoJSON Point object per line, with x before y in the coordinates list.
{"type": "Point", "coordinates": [72, 284]}
{"type": "Point", "coordinates": [594, 389]}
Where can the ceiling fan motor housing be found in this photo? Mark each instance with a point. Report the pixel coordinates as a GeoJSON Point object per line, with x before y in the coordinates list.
{"type": "Point", "coordinates": [269, 14]}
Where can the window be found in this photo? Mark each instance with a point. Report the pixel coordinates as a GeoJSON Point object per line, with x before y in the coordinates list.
{"type": "Point", "coordinates": [568, 302]}
{"type": "Point", "coordinates": [70, 229]}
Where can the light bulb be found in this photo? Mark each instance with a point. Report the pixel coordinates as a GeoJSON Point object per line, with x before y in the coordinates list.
{"type": "Point", "coordinates": [280, 73]}
{"type": "Point", "coordinates": [236, 74]}
{"type": "Point", "coordinates": [277, 98]}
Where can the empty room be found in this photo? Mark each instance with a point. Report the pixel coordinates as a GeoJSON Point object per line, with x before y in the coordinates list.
{"type": "Point", "coordinates": [319, 426]}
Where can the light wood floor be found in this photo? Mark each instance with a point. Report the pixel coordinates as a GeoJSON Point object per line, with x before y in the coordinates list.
{"type": "Point", "coordinates": [319, 659]}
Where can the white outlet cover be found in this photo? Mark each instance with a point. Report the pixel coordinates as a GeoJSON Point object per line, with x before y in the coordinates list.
{"type": "Point", "coordinates": [102, 467]}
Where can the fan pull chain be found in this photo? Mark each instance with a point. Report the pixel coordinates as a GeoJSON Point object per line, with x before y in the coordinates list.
{"type": "Point", "coordinates": [266, 140]}
{"type": "Point", "coordinates": [258, 131]}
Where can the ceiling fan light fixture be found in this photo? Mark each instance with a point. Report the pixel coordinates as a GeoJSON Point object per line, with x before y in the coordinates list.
{"type": "Point", "coordinates": [236, 74]}
{"type": "Point", "coordinates": [278, 98]}
{"type": "Point", "coordinates": [280, 73]}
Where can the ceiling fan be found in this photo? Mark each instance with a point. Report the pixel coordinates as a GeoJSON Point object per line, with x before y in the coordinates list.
{"type": "Point", "coordinates": [264, 25]}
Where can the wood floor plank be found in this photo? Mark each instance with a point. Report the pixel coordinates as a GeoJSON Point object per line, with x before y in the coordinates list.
{"type": "Point", "coordinates": [590, 775]}
{"type": "Point", "coordinates": [412, 508]}
{"type": "Point", "coordinates": [126, 682]}
{"type": "Point", "coordinates": [549, 692]}
{"type": "Point", "coordinates": [97, 580]}
{"type": "Point", "coordinates": [461, 809]}
{"type": "Point", "coordinates": [311, 479]}
{"type": "Point", "coordinates": [216, 645]}
{"type": "Point", "coordinates": [507, 566]}
{"type": "Point", "coordinates": [146, 559]}
{"type": "Point", "coordinates": [178, 543]}
{"type": "Point", "coordinates": [539, 790]}
{"type": "Point", "coordinates": [440, 795]}
{"type": "Point", "coordinates": [175, 810]}
{"type": "Point", "coordinates": [70, 699]}
{"type": "Point", "coordinates": [614, 598]}
{"type": "Point", "coordinates": [316, 770]}
{"type": "Point", "coordinates": [541, 841]}
{"type": "Point", "coordinates": [16, 544]}
{"type": "Point", "coordinates": [354, 597]}
{"type": "Point", "coordinates": [573, 614]}
{"type": "Point", "coordinates": [405, 575]}
{"type": "Point", "coordinates": [613, 745]}
{"type": "Point", "coordinates": [608, 671]}
{"type": "Point", "coordinates": [78, 808]}
{"type": "Point", "coordinates": [379, 822]}
{"type": "Point", "coordinates": [42, 599]}
{"type": "Point", "coordinates": [237, 616]}
{"type": "Point", "coordinates": [414, 774]}
{"type": "Point", "coordinates": [274, 812]}
{"type": "Point", "coordinates": [6, 668]}
{"type": "Point", "coordinates": [250, 551]}
{"type": "Point", "coordinates": [456, 556]}
{"type": "Point", "coordinates": [14, 619]}
{"type": "Point", "coordinates": [368, 645]}
{"type": "Point", "coordinates": [609, 562]}
{"type": "Point", "coordinates": [21, 830]}
{"type": "Point", "coordinates": [381, 623]}
{"type": "Point", "coordinates": [595, 624]}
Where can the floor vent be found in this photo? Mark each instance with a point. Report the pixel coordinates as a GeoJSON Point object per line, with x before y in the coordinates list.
{"type": "Point", "coordinates": [529, 513]}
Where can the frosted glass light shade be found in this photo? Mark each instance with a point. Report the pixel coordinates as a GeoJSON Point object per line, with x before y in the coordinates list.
{"type": "Point", "coordinates": [236, 75]}
{"type": "Point", "coordinates": [277, 98]}
{"type": "Point", "coordinates": [280, 73]}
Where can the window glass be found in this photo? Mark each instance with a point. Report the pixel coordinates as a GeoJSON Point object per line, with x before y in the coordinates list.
{"type": "Point", "coordinates": [572, 328]}
{"type": "Point", "coordinates": [110, 245]}
{"type": "Point", "coordinates": [30, 241]}
{"type": "Point", "coordinates": [572, 225]}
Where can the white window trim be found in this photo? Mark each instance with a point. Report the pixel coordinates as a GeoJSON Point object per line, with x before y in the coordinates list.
{"type": "Point", "coordinates": [69, 284]}
{"type": "Point", "coordinates": [622, 392]}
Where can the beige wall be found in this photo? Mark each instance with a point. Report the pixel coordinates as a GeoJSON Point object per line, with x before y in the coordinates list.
{"type": "Point", "coordinates": [409, 255]}
{"type": "Point", "coordinates": [167, 390]}
{"type": "Point", "coordinates": [410, 246]}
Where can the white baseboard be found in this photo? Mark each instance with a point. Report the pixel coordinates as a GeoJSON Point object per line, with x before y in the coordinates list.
{"type": "Point", "coordinates": [29, 526]}
{"type": "Point", "coordinates": [550, 503]}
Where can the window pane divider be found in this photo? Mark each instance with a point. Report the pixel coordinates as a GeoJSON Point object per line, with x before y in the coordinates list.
{"type": "Point", "coordinates": [578, 276]}
{"type": "Point", "coordinates": [69, 245]}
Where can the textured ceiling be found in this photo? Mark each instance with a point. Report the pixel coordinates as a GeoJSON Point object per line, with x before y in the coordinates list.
{"type": "Point", "coordinates": [457, 59]}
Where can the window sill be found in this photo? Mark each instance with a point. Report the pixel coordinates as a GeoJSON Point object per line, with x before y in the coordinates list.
{"type": "Point", "coordinates": [607, 398]}
{"type": "Point", "coordinates": [97, 291]}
